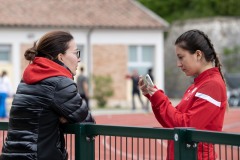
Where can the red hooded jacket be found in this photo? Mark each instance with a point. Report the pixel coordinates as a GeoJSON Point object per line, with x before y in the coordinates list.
{"type": "Point", "coordinates": [202, 107]}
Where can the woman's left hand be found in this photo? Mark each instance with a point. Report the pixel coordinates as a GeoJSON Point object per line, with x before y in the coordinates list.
{"type": "Point", "coordinates": [63, 120]}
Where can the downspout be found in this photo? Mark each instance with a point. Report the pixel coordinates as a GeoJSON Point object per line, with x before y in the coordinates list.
{"type": "Point", "coordinates": [90, 59]}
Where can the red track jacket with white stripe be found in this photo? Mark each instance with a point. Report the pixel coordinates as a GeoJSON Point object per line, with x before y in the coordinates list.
{"type": "Point", "coordinates": [202, 107]}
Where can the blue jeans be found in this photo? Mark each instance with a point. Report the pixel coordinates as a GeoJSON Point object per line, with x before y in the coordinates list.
{"type": "Point", "coordinates": [3, 97]}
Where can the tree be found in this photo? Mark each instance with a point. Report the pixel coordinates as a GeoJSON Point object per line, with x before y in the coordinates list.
{"type": "Point", "coordinates": [232, 56]}
{"type": "Point", "coordinates": [172, 10]}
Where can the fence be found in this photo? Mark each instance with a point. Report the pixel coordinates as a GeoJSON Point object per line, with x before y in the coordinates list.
{"type": "Point", "coordinates": [101, 142]}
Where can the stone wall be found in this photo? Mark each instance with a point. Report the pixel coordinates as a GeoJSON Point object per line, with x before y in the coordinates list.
{"type": "Point", "coordinates": [223, 32]}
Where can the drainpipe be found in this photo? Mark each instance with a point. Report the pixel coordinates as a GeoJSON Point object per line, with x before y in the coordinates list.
{"type": "Point", "coordinates": [89, 59]}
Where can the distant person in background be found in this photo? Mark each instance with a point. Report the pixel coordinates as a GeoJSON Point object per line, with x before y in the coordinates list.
{"type": "Point", "coordinates": [5, 91]}
{"type": "Point", "coordinates": [135, 88]}
{"type": "Point", "coordinates": [149, 72]}
{"type": "Point", "coordinates": [83, 86]}
{"type": "Point", "coordinates": [204, 103]}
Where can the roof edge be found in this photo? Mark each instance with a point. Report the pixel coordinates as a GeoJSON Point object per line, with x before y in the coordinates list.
{"type": "Point", "coordinates": [77, 27]}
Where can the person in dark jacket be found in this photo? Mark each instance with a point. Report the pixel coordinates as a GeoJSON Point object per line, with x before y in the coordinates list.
{"type": "Point", "coordinates": [83, 87]}
{"type": "Point", "coordinates": [46, 97]}
{"type": "Point", "coordinates": [135, 89]}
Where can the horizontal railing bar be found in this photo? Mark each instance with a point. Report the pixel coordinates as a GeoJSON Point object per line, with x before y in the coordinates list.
{"type": "Point", "coordinates": [3, 125]}
{"type": "Point", "coordinates": [214, 137]}
{"type": "Point", "coordinates": [144, 132]}
{"type": "Point", "coordinates": [71, 128]}
{"type": "Point", "coordinates": [67, 128]}
{"type": "Point", "coordinates": [126, 131]}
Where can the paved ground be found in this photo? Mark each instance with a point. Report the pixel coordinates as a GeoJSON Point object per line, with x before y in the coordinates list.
{"type": "Point", "coordinates": [147, 119]}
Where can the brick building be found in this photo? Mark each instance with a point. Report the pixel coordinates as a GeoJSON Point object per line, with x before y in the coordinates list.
{"type": "Point", "coordinates": [115, 36]}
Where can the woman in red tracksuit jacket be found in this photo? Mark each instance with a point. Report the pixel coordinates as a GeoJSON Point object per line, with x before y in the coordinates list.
{"type": "Point", "coordinates": [204, 102]}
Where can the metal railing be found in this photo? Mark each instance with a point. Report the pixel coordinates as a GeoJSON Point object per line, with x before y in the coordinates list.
{"type": "Point", "coordinates": [104, 142]}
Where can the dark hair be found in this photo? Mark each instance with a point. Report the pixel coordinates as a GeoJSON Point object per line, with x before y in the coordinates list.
{"type": "Point", "coordinates": [149, 70]}
{"type": "Point", "coordinates": [4, 73]}
{"type": "Point", "coordinates": [194, 40]}
{"type": "Point", "coordinates": [49, 46]}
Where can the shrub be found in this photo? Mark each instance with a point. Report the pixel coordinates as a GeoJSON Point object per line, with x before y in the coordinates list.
{"type": "Point", "coordinates": [102, 89]}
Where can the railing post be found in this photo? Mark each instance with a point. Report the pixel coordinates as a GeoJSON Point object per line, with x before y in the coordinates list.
{"type": "Point", "coordinates": [84, 146]}
{"type": "Point", "coordinates": [183, 149]}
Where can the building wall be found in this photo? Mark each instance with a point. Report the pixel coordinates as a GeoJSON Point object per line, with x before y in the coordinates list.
{"type": "Point", "coordinates": [112, 60]}
{"type": "Point", "coordinates": [135, 37]}
{"type": "Point", "coordinates": [108, 52]}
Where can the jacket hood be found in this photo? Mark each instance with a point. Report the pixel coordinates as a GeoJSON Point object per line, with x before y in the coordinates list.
{"type": "Point", "coordinates": [42, 68]}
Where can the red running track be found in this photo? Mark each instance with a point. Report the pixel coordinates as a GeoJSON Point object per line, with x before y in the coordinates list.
{"type": "Point", "coordinates": [231, 124]}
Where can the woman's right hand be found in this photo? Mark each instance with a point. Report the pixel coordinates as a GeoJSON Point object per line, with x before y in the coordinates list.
{"type": "Point", "coordinates": [145, 88]}
{"type": "Point", "coordinates": [142, 86]}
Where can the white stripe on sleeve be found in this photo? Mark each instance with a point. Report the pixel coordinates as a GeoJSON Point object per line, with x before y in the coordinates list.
{"type": "Point", "coordinates": [208, 98]}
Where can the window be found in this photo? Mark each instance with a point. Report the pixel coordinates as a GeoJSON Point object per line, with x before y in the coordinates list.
{"type": "Point", "coordinates": [5, 53]}
{"type": "Point", "coordinates": [132, 54]}
{"type": "Point", "coordinates": [140, 58]}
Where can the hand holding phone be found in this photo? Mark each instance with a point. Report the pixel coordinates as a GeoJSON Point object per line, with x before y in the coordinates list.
{"type": "Point", "coordinates": [147, 80]}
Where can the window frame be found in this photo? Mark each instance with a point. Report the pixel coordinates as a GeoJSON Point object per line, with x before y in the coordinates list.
{"type": "Point", "coordinates": [140, 63]}
{"type": "Point", "coordinates": [9, 52]}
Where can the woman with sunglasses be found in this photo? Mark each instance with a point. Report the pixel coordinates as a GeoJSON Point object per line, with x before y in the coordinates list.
{"type": "Point", "coordinates": [46, 97]}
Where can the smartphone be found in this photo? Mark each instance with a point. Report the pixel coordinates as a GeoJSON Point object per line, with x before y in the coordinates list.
{"type": "Point", "coordinates": [147, 80]}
